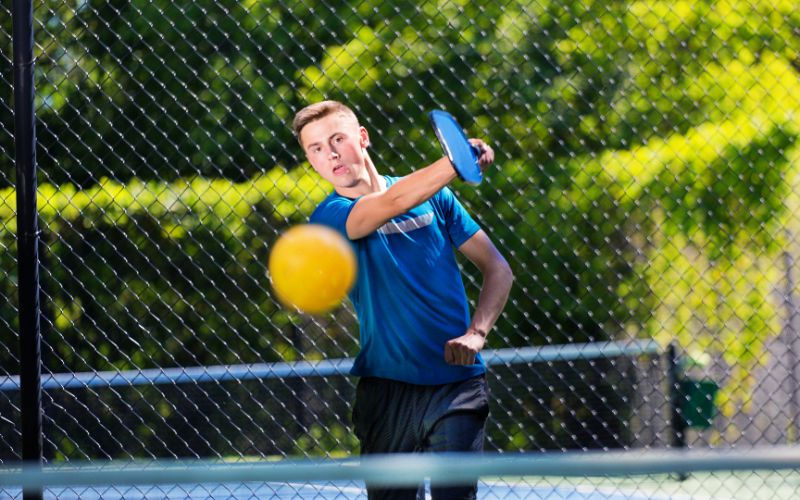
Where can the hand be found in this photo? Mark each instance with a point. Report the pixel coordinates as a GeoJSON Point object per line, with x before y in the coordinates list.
{"type": "Point", "coordinates": [486, 156]}
{"type": "Point", "coordinates": [462, 350]}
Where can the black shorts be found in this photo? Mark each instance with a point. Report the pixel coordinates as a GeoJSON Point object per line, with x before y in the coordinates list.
{"type": "Point", "coordinates": [396, 417]}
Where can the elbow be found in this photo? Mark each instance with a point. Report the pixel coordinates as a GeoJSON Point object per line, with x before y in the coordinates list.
{"type": "Point", "coordinates": [365, 217]}
{"type": "Point", "coordinates": [503, 272]}
{"type": "Point", "coordinates": [399, 203]}
{"type": "Point", "coordinates": [507, 272]}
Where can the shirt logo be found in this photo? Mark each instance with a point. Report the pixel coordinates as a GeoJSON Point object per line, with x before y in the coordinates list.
{"type": "Point", "coordinates": [407, 225]}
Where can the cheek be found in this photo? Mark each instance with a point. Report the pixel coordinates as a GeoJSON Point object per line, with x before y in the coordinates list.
{"type": "Point", "coordinates": [353, 151]}
{"type": "Point", "coordinates": [315, 161]}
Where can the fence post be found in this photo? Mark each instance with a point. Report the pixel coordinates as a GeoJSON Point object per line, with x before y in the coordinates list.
{"type": "Point", "coordinates": [27, 239]}
{"type": "Point", "coordinates": [677, 422]}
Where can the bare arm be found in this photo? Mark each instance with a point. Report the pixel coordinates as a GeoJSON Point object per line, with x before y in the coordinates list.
{"type": "Point", "coordinates": [497, 280]}
{"type": "Point", "coordinates": [375, 209]}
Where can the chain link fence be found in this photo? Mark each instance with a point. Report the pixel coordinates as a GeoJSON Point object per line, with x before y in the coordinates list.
{"type": "Point", "coordinates": [645, 188]}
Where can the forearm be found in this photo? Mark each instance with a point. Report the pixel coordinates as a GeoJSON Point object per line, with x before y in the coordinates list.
{"type": "Point", "coordinates": [492, 299]}
{"type": "Point", "coordinates": [421, 185]}
{"type": "Point", "coordinates": [494, 294]}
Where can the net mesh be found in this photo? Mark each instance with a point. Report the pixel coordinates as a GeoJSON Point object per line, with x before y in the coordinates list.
{"type": "Point", "coordinates": [601, 395]}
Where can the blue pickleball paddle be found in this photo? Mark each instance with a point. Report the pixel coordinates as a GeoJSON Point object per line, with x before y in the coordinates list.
{"type": "Point", "coordinates": [462, 154]}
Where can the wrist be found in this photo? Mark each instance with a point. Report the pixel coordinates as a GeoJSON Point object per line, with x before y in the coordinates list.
{"type": "Point", "coordinates": [478, 331]}
{"type": "Point", "coordinates": [447, 169]}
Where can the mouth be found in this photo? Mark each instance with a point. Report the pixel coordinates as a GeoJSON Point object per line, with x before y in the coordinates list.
{"type": "Point", "coordinates": [339, 169]}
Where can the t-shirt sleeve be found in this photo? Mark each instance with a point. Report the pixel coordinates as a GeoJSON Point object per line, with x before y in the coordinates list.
{"type": "Point", "coordinates": [460, 225]}
{"type": "Point", "coordinates": [333, 213]}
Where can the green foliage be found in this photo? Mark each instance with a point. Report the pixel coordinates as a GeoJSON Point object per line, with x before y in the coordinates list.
{"type": "Point", "coordinates": [155, 274]}
{"type": "Point", "coordinates": [647, 163]}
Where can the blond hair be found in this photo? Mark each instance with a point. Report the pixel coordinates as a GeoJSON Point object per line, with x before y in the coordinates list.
{"type": "Point", "coordinates": [318, 111]}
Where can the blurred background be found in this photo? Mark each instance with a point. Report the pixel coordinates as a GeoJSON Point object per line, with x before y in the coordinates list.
{"type": "Point", "coordinates": [644, 189]}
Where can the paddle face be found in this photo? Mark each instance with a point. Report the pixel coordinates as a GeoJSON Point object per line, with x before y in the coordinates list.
{"type": "Point", "coordinates": [462, 154]}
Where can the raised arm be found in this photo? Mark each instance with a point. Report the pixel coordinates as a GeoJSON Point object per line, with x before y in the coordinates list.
{"type": "Point", "coordinates": [375, 209]}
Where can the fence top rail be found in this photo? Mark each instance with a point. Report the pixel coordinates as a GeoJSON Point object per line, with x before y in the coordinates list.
{"type": "Point", "coordinates": [321, 368]}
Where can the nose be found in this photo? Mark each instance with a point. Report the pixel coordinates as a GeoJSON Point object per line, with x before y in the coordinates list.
{"type": "Point", "coordinates": [334, 154]}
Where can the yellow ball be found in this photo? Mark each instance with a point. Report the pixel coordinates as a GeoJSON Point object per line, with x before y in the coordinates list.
{"type": "Point", "coordinates": [312, 268]}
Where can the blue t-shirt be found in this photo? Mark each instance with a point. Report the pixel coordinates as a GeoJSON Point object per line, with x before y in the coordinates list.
{"type": "Point", "coordinates": [409, 296]}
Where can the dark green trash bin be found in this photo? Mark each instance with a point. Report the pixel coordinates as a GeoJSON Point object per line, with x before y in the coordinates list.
{"type": "Point", "coordinates": [697, 402]}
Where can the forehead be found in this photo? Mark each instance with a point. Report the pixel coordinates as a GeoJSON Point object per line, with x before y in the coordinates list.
{"type": "Point", "coordinates": [323, 128]}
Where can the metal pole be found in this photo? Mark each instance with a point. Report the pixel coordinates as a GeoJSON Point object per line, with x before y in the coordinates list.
{"type": "Point", "coordinates": [790, 336]}
{"type": "Point", "coordinates": [677, 422]}
{"type": "Point", "coordinates": [27, 239]}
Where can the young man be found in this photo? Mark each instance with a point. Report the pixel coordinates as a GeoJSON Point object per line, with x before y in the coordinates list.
{"type": "Point", "coordinates": [422, 385]}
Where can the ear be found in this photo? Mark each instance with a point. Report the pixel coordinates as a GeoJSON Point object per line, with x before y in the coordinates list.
{"type": "Point", "coordinates": [363, 137]}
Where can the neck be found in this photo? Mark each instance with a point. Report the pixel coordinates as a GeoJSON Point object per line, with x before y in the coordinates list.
{"type": "Point", "coordinates": [369, 182]}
